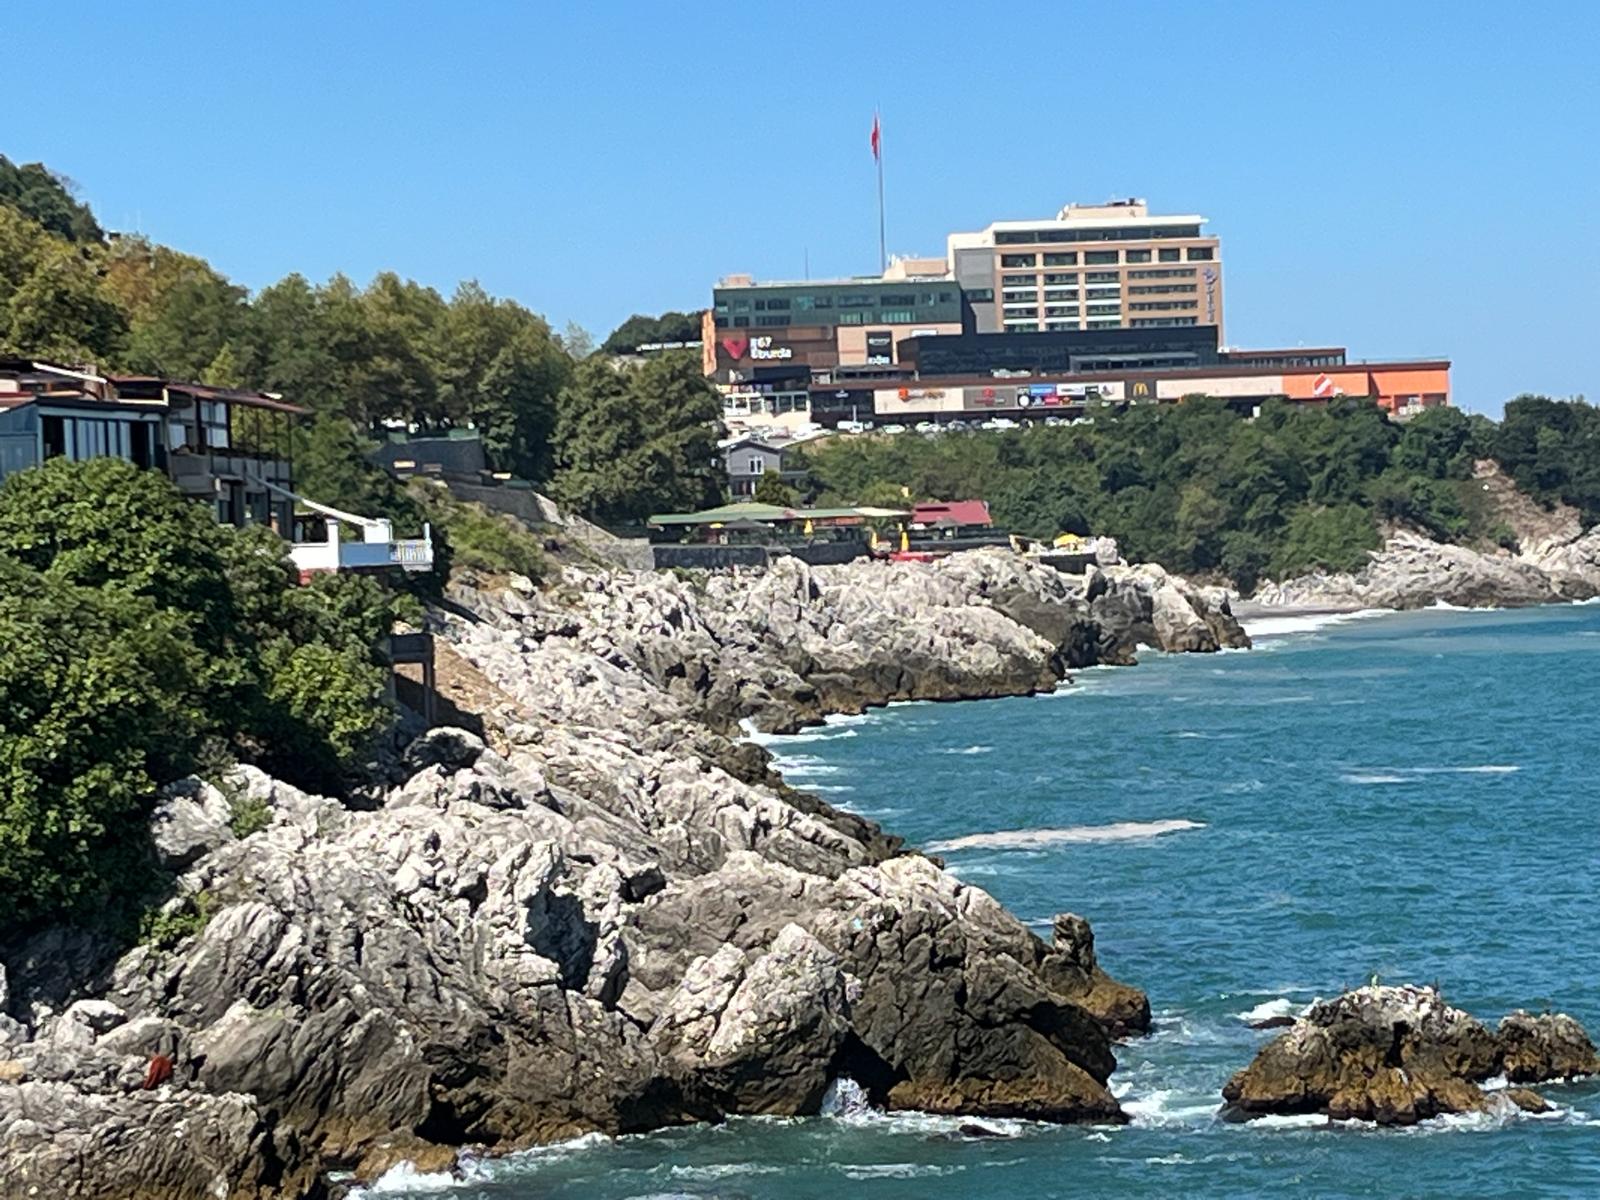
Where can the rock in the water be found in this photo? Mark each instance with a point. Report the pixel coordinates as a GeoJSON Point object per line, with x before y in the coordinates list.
{"type": "Point", "coordinates": [1528, 1100]}
{"type": "Point", "coordinates": [1397, 1056]}
{"type": "Point", "coordinates": [1536, 1048]}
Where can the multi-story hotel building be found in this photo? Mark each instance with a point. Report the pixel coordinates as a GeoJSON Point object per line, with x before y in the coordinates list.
{"type": "Point", "coordinates": [1092, 266]}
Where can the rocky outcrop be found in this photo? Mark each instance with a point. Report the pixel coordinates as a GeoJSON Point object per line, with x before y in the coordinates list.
{"type": "Point", "coordinates": [1412, 571]}
{"type": "Point", "coordinates": [605, 913]}
{"type": "Point", "coordinates": [787, 645]}
{"type": "Point", "coordinates": [1400, 1055]}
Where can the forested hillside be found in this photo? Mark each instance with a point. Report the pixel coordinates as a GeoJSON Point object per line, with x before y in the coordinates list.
{"type": "Point", "coordinates": [1203, 490]}
{"type": "Point", "coordinates": [391, 351]}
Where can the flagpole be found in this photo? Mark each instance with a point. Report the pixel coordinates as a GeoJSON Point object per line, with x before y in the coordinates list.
{"type": "Point", "coordinates": [883, 244]}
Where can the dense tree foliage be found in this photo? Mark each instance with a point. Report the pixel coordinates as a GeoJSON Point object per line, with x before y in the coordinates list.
{"type": "Point", "coordinates": [639, 330]}
{"type": "Point", "coordinates": [136, 630]}
{"type": "Point", "coordinates": [394, 351]}
{"type": "Point", "coordinates": [44, 197]}
{"type": "Point", "coordinates": [1195, 486]}
{"type": "Point", "coordinates": [1552, 449]}
{"type": "Point", "coordinates": [636, 440]}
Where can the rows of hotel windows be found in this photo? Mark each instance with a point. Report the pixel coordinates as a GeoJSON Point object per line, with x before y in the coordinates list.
{"type": "Point", "coordinates": [1105, 257]}
{"type": "Point", "coordinates": [1022, 237]}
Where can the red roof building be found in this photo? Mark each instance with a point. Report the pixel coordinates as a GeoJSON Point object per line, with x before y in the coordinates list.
{"type": "Point", "coordinates": [952, 512]}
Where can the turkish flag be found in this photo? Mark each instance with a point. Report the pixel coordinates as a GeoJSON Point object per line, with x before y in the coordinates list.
{"type": "Point", "coordinates": [877, 138]}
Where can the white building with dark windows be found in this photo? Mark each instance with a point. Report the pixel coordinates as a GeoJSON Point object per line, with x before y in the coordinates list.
{"type": "Point", "coordinates": [1091, 266]}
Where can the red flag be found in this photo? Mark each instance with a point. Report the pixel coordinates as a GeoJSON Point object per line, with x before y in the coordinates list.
{"type": "Point", "coordinates": [877, 152]}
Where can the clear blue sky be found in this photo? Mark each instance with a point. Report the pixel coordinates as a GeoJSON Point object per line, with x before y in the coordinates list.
{"type": "Point", "coordinates": [1403, 178]}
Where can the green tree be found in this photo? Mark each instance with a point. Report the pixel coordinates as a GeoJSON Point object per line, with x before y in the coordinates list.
{"type": "Point", "coordinates": [771, 489]}
{"type": "Point", "coordinates": [640, 330]}
{"type": "Point", "coordinates": [42, 196]}
{"type": "Point", "coordinates": [640, 440]}
{"type": "Point", "coordinates": [96, 707]}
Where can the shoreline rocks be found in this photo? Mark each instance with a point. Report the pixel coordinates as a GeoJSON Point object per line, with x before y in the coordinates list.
{"type": "Point", "coordinates": [1400, 1055]}
{"type": "Point", "coordinates": [1412, 571]}
{"type": "Point", "coordinates": [604, 914]}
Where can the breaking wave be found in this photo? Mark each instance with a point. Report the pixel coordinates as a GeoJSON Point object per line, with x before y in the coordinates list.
{"type": "Point", "coordinates": [1028, 839]}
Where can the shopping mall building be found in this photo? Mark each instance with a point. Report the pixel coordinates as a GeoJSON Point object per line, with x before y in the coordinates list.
{"type": "Point", "coordinates": [1023, 319]}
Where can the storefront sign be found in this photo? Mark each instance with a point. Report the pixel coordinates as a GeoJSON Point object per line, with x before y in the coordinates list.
{"type": "Point", "coordinates": [880, 347]}
{"type": "Point", "coordinates": [762, 347]}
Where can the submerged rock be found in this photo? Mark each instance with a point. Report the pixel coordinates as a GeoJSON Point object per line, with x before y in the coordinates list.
{"type": "Point", "coordinates": [1397, 1056]}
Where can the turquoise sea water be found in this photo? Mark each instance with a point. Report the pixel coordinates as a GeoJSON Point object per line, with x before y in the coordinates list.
{"type": "Point", "coordinates": [1411, 796]}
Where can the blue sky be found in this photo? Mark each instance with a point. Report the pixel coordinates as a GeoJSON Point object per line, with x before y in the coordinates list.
{"type": "Point", "coordinates": [1406, 179]}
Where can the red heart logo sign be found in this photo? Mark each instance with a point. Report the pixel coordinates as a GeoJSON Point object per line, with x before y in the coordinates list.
{"type": "Point", "coordinates": [736, 346]}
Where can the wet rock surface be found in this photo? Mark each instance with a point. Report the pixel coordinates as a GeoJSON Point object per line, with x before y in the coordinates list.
{"type": "Point", "coordinates": [1400, 1055]}
{"type": "Point", "coordinates": [606, 914]}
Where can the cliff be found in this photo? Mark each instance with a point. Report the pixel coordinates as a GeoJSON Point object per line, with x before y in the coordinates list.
{"type": "Point", "coordinates": [611, 917]}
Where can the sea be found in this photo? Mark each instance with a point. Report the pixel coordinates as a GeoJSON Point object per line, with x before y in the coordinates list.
{"type": "Point", "coordinates": [1402, 797]}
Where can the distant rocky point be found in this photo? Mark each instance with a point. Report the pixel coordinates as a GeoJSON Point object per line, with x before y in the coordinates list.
{"type": "Point", "coordinates": [1400, 1055]}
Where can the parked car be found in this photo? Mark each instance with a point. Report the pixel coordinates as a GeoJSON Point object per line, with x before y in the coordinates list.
{"type": "Point", "coordinates": [853, 426]}
{"type": "Point", "coordinates": [893, 427]}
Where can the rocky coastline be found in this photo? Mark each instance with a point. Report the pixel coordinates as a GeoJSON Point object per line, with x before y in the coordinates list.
{"type": "Point", "coordinates": [598, 911]}
{"type": "Point", "coordinates": [1549, 558]}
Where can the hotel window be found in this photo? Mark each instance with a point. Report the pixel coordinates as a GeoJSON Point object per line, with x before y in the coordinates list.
{"type": "Point", "coordinates": [741, 306]}
{"type": "Point", "coordinates": [1101, 277]}
{"type": "Point", "coordinates": [853, 318]}
{"type": "Point", "coordinates": [981, 295]}
{"type": "Point", "coordinates": [1016, 281]}
{"type": "Point", "coordinates": [741, 322]}
{"type": "Point", "coordinates": [1061, 310]}
{"type": "Point", "coordinates": [1164, 273]}
{"type": "Point", "coordinates": [898, 316]}
{"type": "Point", "coordinates": [1066, 259]}
{"type": "Point", "coordinates": [1160, 305]}
{"type": "Point", "coordinates": [1172, 255]}
{"type": "Point", "coordinates": [857, 301]}
{"type": "Point", "coordinates": [1096, 257]}
{"type": "Point", "coordinates": [1019, 260]}
{"type": "Point", "coordinates": [1138, 256]}
{"type": "Point", "coordinates": [900, 298]}
{"type": "Point", "coordinates": [1022, 326]}
{"type": "Point", "coordinates": [1200, 254]}
{"type": "Point", "coordinates": [1019, 297]}
{"type": "Point", "coordinates": [1097, 310]}
{"type": "Point", "coordinates": [772, 322]}
{"type": "Point", "coordinates": [1062, 278]}
{"type": "Point", "coordinates": [1059, 326]}
{"type": "Point", "coordinates": [1060, 294]}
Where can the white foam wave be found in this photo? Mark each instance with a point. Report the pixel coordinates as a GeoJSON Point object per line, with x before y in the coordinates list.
{"type": "Point", "coordinates": [1413, 774]}
{"type": "Point", "coordinates": [1289, 1121]}
{"type": "Point", "coordinates": [1268, 1009]}
{"type": "Point", "coordinates": [830, 788]}
{"type": "Point", "coordinates": [967, 750]}
{"type": "Point", "coordinates": [809, 735]}
{"type": "Point", "coordinates": [1028, 839]}
{"type": "Point", "coordinates": [405, 1179]}
{"type": "Point", "coordinates": [1266, 626]}
{"type": "Point", "coordinates": [1157, 1109]}
{"type": "Point", "coordinates": [1446, 606]}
